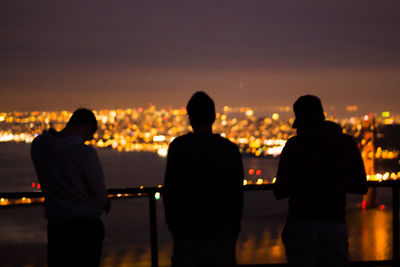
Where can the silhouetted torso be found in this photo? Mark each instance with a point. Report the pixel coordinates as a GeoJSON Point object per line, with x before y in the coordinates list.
{"type": "Point", "coordinates": [71, 176]}
{"type": "Point", "coordinates": [203, 189]}
{"type": "Point", "coordinates": [319, 166]}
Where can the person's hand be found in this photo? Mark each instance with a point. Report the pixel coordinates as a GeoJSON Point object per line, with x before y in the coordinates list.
{"type": "Point", "coordinates": [107, 208]}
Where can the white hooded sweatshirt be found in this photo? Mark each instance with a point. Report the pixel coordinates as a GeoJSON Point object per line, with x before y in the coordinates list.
{"type": "Point", "coordinates": [70, 175]}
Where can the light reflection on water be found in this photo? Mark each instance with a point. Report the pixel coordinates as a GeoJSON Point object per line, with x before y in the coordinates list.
{"type": "Point", "coordinates": [370, 234]}
{"type": "Point", "coordinates": [131, 257]}
{"type": "Point", "coordinates": [370, 238]}
{"type": "Point", "coordinates": [253, 250]}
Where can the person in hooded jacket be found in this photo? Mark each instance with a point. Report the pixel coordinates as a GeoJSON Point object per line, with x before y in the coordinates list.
{"type": "Point", "coordinates": [72, 181]}
{"type": "Point", "coordinates": [317, 168]}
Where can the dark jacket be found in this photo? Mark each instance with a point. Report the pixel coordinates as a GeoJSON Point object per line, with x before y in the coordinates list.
{"type": "Point", "coordinates": [316, 170]}
{"type": "Point", "coordinates": [203, 187]}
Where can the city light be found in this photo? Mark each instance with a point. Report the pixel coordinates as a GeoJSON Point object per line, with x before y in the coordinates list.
{"type": "Point", "coordinates": [152, 130]}
{"type": "Point", "coordinates": [162, 152]}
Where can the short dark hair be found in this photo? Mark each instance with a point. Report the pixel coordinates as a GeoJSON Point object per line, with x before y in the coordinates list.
{"type": "Point", "coordinates": [83, 116]}
{"type": "Point", "coordinates": [201, 108]}
{"type": "Point", "coordinates": [309, 108]}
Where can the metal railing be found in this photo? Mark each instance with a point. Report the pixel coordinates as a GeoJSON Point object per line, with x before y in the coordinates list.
{"type": "Point", "coordinates": [152, 192]}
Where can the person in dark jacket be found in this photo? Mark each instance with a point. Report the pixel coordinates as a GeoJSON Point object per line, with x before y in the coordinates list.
{"type": "Point", "coordinates": [317, 168]}
{"type": "Point", "coordinates": [203, 191]}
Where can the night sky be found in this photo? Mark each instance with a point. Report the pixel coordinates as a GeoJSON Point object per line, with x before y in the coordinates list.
{"type": "Point", "coordinates": [107, 54]}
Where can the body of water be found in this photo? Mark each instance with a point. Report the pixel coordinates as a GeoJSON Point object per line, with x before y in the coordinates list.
{"type": "Point", "coordinates": [23, 229]}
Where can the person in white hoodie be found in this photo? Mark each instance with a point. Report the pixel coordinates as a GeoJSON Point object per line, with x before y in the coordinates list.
{"type": "Point", "coordinates": [72, 182]}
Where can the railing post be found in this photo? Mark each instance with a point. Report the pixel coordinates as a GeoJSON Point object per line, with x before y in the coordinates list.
{"type": "Point", "coordinates": [153, 230]}
{"type": "Point", "coordinates": [396, 232]}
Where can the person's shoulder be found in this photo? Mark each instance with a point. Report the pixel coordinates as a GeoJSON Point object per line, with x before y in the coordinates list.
{"type": "Point", "coordinates": [346, 137]}
{"type": "Point", "coordinates": [43, 136]}
{"type": "Point", "coordinates": [87, 148]}
{"type": "Point", "coordinates": [291, 144]}
{"type": "Point", "coordinates": [84, 150]}
{"type": "Point", "coordinates": [37, 140]}
{"type": "Point", "coordinates": [292, 140]}
{"type": "Point", "coordinates": [43, 139]}
{"type": "Point", "coordinates": [36, 146]}
{"type": "Point", "coordinates": [182, 141]}
{"type": "Point", "coordinates": [347, 140]}
{"type": "Point", "coordinates": [225, 142]}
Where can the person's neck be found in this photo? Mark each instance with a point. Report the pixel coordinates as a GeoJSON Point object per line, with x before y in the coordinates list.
{"type": "Point", "coordinates": [68, 131]}
{"type": "Point", "coordinates": [203, 130]}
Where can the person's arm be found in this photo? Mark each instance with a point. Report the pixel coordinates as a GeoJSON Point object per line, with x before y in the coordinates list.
{"type": "Point", "coordinates": [238, 190]}
{"type": "Point", "coordinates": [282, 183]}
{"type": "Point", "coordinates": [94, 179]}
{"type": "Point", "coordinates": [357, 179]}
{"type": "Point", "coordinates": [168, 187]}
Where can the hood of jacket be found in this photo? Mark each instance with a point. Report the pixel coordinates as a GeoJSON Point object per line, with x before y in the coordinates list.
{"type": "Point", "coordinates": [53, 143]}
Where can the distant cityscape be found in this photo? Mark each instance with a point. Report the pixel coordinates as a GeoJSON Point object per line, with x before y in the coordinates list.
{"type": "Point", "coordinates": [151, 129]}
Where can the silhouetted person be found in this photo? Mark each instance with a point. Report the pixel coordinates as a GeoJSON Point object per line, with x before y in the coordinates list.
{"type": "Point", "coordinates": [203, 191]}
{"type": "Point", "coordinates": [316, 169]}
{"type": "Point", "coordinates": [72, 182]}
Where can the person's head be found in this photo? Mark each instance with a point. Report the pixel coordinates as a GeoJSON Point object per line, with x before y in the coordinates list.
{"type": "Point", "coordinates": [308, 111]}
{"type": "Point", "coordinates": [201, 110]}
{"type": "Point", "coordinates": [83, 122]}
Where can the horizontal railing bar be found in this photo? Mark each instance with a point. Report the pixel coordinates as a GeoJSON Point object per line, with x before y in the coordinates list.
{"type": "Point", "coordinates": [352, 263]}
{"type": "Point", "coordinates": [152, 190]}
{"type": "Point", "coordinates": [261, 265]}
{"type": "Point", "coordinates": [14, 195]}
